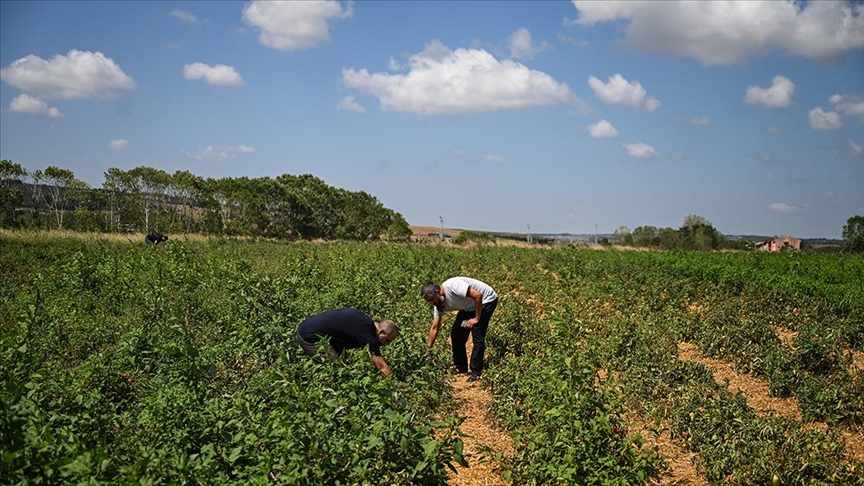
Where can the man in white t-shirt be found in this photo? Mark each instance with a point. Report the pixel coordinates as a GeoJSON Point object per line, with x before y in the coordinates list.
{"type": "Point", "coordinates": [475, 301]}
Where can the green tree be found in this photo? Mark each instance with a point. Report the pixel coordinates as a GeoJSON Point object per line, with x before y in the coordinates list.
{"type": "Point", "coordinates": [623, 236]}
{"type": "Point", "coordinates": [853, 233]}
{"type": "Point", "coordinates": [645, 236]}
{"type": "Point", "coordinates": [11, 196]}
{"type": "Point", "coordinates": [668, 238]}
{"type": "Point", "coordinates": [697, 233]}
{"type": "Point", "coordinates": [59, 190]}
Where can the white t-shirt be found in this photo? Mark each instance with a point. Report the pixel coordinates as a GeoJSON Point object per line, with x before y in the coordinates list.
{"type": "Point", "coordinates": [456, 294]}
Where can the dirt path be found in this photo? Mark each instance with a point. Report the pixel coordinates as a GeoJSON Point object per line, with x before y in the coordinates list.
{"type": "Point", "coordinates": [473, 402]}
{"type": "Point", "coordinates": [755, 391]}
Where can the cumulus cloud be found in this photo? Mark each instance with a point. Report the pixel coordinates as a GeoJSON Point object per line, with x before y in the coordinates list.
{"type": "Point", "coordinates": [494, 158]}
{"type": "Point", "coordinates": [640, 150]}
{"type": "Point", "coordinates": [602, 129]}
{"type": "Point", "coordinates": [292, 26]}
{"type": "Point", "coordinates": [79, 74]}
{"type": "Point", "coordinates": [699, 120]}
{"type": "Point", "coordinates": [522, 46]}
{"type": "Point", "coordinates": [781, 207]}
{"type": "Point", "coordinates": [440, 81]}
{"type": "Point", "coordinates": [779, 95]}
{"type": "Point", "coordinates": [31, 105]}
{"type": "Point", "coordinates": [851, 105]}
{"type": "Point", "coordinates": [218, 75]}
{"type": "Point", "coordinates": [187, 17]}
{"type": "Point", "coordinates": [619, 91]}
{"type": "Point", "coordinates": [348, 104]}
{"type": "Point", "coordinates": [219, 153]}
{"type": "Point", "coordinates": [730, 32]}
{"type": "Point", "coordinates": [118, 144]}
{"type": "Point", "coordinates": [821, 120]}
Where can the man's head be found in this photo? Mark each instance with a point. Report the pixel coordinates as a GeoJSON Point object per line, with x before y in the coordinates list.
{"type": "Point", "coordinates": [432, 294]}
{"type": "Point", "coordinates": [387, 331]}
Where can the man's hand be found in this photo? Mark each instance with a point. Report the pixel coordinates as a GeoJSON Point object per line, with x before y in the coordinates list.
{"type": "Point", "coordinates": [470, 323]}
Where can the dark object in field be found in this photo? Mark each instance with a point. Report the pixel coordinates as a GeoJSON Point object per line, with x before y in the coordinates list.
{"type": "Point", "coordinates": [155, 238]}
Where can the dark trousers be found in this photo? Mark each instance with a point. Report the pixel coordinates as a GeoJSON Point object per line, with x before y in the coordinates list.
{"type": "Point", "coordinates": [459, 338]}
{"type": "Point", "coordinates": [312, 349]}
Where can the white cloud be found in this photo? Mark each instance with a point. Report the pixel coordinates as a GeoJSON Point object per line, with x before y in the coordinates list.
{"type": "Point", "coordinates": [293, 25]}
{"type": "Point", "coordinates": [219, 153]}
{"type": "Point", "coordinates": [31, 105]}
{"type": "Point", "coordinates": [781, 207]}
{"type": "Point", "coordinates": [858, 149]}
{"type": "Point", "coordinates": [184, 16]}
{"type": "Point", "coordinates": [764, 157]}
{"type": "Point", "coordinates": [394, 65]}
{"type": "Point", "coordinates": [727, 32]}
{"type": "Point", "coordinates": [769, 177]}
{"type": "Point", "coordinates": [772, 129]}
{"type": "Point", "coordinates": [573, 42]}
{"type": "Point", "coordinates": [640, 150]}
{"type": "Point", "coordinates": [602, 129]}
{"type": "Point", "coordinates": [349, 104]}
{"type": "Point", "coordinates": [779, 95]}
{"type": "Point", "coordinates": [522, 46]}
{"type": "Point", "coordinates": [218, 75]}
{"type": "Point", "coordinates": [851, 105]}
{"type": "Point", "coordinates": [118, 144]}
{"type": "Point", "coordinates": [79, 74]}
{"type": "Point", "coordinates": [699, 120]}
{"type": "Point", "coordinates": [824, 120]}
{"type": "Point", "coordinates": [494, 158]}
{"type": "Point", "coordinates": [618, 91]}
{"type": "Point", "coordinates": [444, 82]}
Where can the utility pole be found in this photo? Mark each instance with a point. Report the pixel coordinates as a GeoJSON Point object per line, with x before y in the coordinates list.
{"type": "Point", "coordinates": [595, 233]}
{"type": "Point", "coordinates": [441, 234]}
{"type": "Point", "coordinates": [529, 234]}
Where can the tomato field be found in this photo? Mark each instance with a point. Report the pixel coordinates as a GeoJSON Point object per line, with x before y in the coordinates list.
{"type": "Point", "coordinates": [177, 363]}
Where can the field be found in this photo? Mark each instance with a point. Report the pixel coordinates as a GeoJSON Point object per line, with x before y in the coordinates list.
{"type": "Point", "coordinates": [125, 363]}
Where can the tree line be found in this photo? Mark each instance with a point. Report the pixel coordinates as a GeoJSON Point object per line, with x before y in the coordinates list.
{"type": "Point", "coordinates": [145, 199]}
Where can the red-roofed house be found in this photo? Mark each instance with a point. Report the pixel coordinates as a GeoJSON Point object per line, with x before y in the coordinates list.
{"type": "Point", "coordinates": [779, 243]}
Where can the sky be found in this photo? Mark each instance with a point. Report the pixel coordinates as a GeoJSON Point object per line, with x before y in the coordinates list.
{"type": "Point", "coordinates": [540, 116]}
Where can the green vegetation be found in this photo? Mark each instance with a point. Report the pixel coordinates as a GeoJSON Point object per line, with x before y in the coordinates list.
{"type": "Point", "coordinates": [853, 234]}
{"type": "Point", "coordinates": [473, 237]}
{"type": "Point", "coordinates": [145, 199]}
{"type": "Point", "coordinates": [128, 363]}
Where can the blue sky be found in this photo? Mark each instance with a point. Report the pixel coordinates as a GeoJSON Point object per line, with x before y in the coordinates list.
{"type": "Point", "coordinates": [491, 115]}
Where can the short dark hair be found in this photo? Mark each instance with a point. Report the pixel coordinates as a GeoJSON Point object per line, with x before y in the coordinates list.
{"type": "Point", "coordinates": [430, 289]}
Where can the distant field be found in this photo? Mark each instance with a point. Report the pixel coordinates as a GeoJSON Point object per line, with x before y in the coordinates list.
{"type": "Point", "coordinates": [434, 231]}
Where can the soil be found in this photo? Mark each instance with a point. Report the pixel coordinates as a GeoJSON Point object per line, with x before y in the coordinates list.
{"type": "Point", "coordinates": [472, 402]}
{"type": "Point", "coordinates": [755, 391]}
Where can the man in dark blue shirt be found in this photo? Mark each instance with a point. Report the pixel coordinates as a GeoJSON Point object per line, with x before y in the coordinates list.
{"type": "Point", "coordinates": [347, 329]}
{"type": "Point", "coordinates": [155, 238]}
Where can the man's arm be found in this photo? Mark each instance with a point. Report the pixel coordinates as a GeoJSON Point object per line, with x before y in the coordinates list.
{"type": "Point", "coordinates": [478, 307]}
{"type": "Point", "coordinates": [433, 332]}
{"type": "Point", "coordinates": [381, 366]}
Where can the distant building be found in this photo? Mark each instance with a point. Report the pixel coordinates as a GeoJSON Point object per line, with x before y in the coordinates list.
{"type": "Point", "coordinates": [779, 243]}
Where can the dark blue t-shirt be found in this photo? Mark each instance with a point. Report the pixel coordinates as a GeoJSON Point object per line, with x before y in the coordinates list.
{"type": "Point", "coordinates": [347, 329]}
